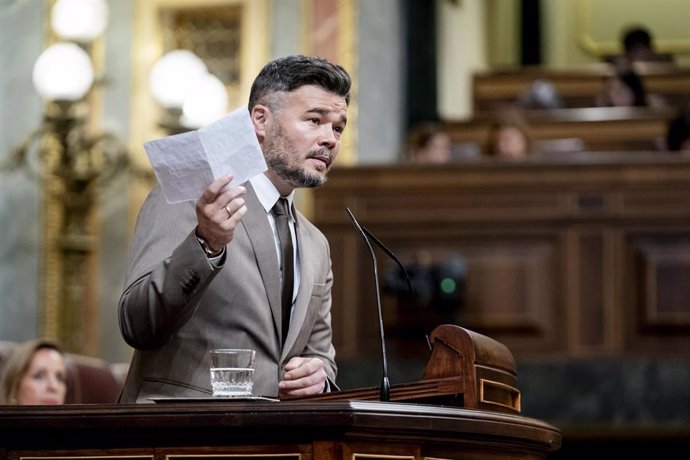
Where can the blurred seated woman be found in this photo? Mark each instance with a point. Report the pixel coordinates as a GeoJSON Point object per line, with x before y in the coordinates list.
{"type": "Point", "coordinates": [510, 138]}
{"type": "Point", "coordinates": [429, 143]}
{"type": "Point", "coordinates": [34, 374]}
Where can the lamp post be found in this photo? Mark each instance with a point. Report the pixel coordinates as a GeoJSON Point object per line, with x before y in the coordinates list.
{"type": "Point", "coordinates": [71, 164]}
{"type": "Point", "coordinates": [190, 96]}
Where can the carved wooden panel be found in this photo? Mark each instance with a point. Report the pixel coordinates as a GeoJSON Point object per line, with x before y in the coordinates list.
{"type": "Point", "coordinates": [585, 256]}
{"type": "Point", "coordinates": [659, 289]}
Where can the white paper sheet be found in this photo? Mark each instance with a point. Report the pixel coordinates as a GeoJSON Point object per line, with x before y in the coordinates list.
{"type": "Point", "coordinates": [186, 163]}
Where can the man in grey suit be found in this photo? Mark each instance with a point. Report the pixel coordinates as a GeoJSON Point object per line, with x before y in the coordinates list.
{"type": "Point", "coordinates": [208, 275]}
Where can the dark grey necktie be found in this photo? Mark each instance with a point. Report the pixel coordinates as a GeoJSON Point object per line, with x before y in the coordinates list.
{"type": "Point", "coordinates": [280, 212]}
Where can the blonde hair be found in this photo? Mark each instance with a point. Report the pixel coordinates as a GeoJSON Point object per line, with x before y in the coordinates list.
{"type": "Point", "coordinates": [421, 137]}
{"type": "Point", "coordinates": [509, 119]}
{"type": "Point", "coordinates": [17, 365]}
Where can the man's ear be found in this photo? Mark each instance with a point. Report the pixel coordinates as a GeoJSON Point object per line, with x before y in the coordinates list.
{"type": "Point", "coordinates": [260, 115]}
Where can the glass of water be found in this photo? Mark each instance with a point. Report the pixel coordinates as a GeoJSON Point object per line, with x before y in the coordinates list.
{"type": "Point", "coordinates": [232, 372]}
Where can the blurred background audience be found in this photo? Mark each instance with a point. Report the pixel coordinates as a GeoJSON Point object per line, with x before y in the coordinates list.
{"type": "Point", "coordinates": [510, 137]}
{"type": "Point", "coordinates": [542, 94]}
{"type": "Point", "coordinates": [627, 89]}
{"type": "Point", "coordinates": [34, 374]}
{"type": "Point", "coordinates": [637, 43]}
{"type": "Point", "coordinates": [429, 143]}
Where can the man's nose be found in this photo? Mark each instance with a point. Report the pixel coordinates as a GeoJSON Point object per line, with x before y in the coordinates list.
{"type": "Point", "coordinates": [327, 136]}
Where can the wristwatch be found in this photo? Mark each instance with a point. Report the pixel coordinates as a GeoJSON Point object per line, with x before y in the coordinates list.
{"type": "Point", "coordinates": [210, 253]}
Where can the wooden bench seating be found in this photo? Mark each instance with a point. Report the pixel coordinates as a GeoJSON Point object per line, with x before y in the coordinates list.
{"type": "Point", "coordinates": [495, 89]}
{"type": "Point", "coordinates": [599, 128]}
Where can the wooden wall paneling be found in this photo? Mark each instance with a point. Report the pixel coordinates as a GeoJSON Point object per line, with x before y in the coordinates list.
{"type": "Point", "coordinates": [365, 451]}
{"type": "Point", "coordinates": [659, 292]}
{"type": "Point", "coordinates": [580, 256]}
{"type": "Point", "coordinates": [592, 305]}
{"type": "Point", "coordinates": [344, 320]}
{"type": "Point", "coordinates": [511, 284]}
{"type": "Point", "coordinates": [511, 274]}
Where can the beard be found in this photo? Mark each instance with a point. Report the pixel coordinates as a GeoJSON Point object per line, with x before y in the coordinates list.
{"type": "Point", "coordinates": [279, 151]}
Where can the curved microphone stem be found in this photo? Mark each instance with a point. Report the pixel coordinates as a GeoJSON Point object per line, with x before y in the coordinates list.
{"type": "Point", "coordinates": [385, 391]}
{"type": "Point", "coordinates": [407, 279]}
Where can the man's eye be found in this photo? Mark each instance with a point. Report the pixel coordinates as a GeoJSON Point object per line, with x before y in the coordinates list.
{"type": "Point", "coordinates": [316, 121]}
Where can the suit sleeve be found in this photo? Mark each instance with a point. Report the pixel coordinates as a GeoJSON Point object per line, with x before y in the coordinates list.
{"type": "Point", "coordinates": [167, 274]}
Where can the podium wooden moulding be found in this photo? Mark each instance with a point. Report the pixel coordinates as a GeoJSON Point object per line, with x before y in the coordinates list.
{"type": "Point", "coordinates": [466, 369]}
{"type": "Point", "coordinates": [465, 406]}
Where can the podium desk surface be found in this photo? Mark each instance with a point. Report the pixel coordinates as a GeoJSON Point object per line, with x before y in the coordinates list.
{"type": "Point", "coordinates": [299, 428]}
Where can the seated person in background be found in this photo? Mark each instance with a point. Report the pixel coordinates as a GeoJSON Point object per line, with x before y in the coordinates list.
{"type": "Point", "coordinates": [34, 374]}
{"type": "Point", "coordinates": [429, 143]}
{"type": "Point", "coordinates": [541, 94]}
{"type": "Point", "coordinates": [638, 47]}
{"type": "Point", "coordinates": [626, 89]}
{"type": "Point", "coordinates": [510, 138]}
{"type": "Point", "coordinates": [678, 133]}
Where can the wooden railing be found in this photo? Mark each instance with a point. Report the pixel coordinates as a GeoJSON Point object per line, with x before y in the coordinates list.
{"type": "Point", "coordinates": [577, 87]}
{"type": "Point", "coordinates": [466, 369]}
{"type": "Point", "coordinates": [598, 128]}
{"type": "Point", "coordinates": [224, 429]}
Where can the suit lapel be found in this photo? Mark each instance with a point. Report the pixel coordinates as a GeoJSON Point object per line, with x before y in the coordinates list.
{"type": "Point", "coordinates": [260, 235]}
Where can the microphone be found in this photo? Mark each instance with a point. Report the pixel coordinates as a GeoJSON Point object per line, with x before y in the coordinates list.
{"type": "Point", "coordinates": [390, 254]}
{"type": "Point", "coordinates": [385, 392]}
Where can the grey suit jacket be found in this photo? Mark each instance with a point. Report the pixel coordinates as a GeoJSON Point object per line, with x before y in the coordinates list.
{"type": "Point", "coordinates": [176, 306]}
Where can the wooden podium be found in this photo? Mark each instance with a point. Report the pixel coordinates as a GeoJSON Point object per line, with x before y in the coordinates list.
{"type": "Point", "coordinates": [304, 430]}
{"type": "Point", "coordinates": [466, 369]}
{"type": "Point", "coordinates": [466, 406]}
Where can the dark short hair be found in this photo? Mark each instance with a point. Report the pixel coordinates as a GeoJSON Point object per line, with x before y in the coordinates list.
{"type": "Point", "coordinates": [637, 36]}
{"type": "Point", "coordinates": [289, 73]}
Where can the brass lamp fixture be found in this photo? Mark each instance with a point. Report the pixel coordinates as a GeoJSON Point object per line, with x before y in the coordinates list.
{"type": "Point", "coordinates": [189, 95]}
{"type": "Point", "coordinates": [72, 164]}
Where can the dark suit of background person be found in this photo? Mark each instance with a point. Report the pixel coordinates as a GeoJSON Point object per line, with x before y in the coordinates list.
{"type": "Point", "coordinates": [180, 301]}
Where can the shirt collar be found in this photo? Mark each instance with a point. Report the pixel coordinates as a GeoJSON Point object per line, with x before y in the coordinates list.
{"type": "Point", "coordinates": [267, 193]}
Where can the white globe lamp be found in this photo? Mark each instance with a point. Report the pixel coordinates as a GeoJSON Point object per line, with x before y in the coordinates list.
{"type": "Point", "coordinates": [79, 20]}
{"type": "Point", "coordinates": [207, 102]}
{"type": "Point", "coordinates": [173, 77]}
{"type": "Point", "coordinates": [63, 72]}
